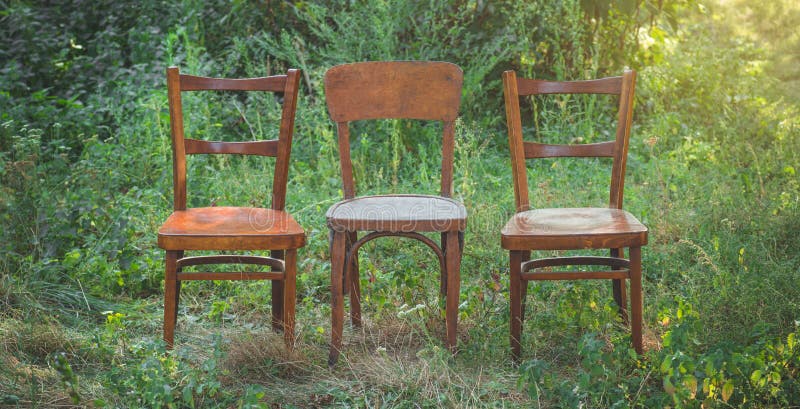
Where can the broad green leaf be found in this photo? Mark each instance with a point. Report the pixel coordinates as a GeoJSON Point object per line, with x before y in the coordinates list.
{"type": "Point", "coordinates": [666, 364]}
{"type": "Point", "coordinates": [669, 388]}
{"type": "Point", "coordinates": [727, 390]}
{"type": "Point", "coordinates": [690, 383]}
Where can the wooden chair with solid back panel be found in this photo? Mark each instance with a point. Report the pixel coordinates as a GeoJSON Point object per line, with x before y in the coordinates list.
{"type": "Point", "coordinates": [572, 228]}
{"type": "Point", "coordinates": [393, 90]}
{"type": "Point", "coordinates": [232, 228]}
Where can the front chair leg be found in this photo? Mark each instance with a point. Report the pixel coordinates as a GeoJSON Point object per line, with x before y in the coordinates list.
{"type": "Point", "coordinates": [453, 267]}
{"type": "Point", "coordinates": [278, 294]}
{"type": "Point", "coordinates": [289, 297]}
{"type": "Point", "coordinates": [170, 297]}
{"type": "Point", "coordinates": [337, 294]}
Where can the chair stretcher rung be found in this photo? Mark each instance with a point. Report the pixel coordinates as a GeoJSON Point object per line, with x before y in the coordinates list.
{"type": "Point", "coordinates": [231, 259]}
{"type": "Point", "coordinates": [575, 275]}
{"type": "Point", "coordinates": [613, 262]}
{"type": "Point", "coordinates": [231, 275]}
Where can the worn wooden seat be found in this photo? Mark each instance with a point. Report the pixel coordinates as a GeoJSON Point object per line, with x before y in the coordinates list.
{"type": "Point", "coordinates": [393, 90]}
{"type": "Point", "coordinates": [398, 213]}
{"type": "Point", "coordinates": [572, 228]}
{"type": "Point", "coordinates": [232, 228]}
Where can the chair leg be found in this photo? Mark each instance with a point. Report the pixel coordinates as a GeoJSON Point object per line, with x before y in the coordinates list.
{"type": "Point", "coordinates": [620, 297]}
{"type": "Point", "coordinates": [170, 297]}
{"type": "Point", "coordinates": [515, 299]}
{"type": "Point", "coordinates": [346, 275]}
{"type": "Point", "coordinates": [636, 298]}
{"type": "Point", "coordinates": [177, 291]}
{"type": "Point", "coordinates": [443, 275]}
{"type": "Point", "coordinates": [453, 267]}
{"type": "Point", "coordinates": [618, 287]}
{"type": "Point", "coordinates": [289, 297]}
{"type": "Point", "coordinates": [354, 285]}
{"type": "Point", "coordinates": [337, 301]}
{"type": "Point", "coordinates": [177, 302]}
{"type": "Point", "coordinates": [278, 294]}
{"type": "Point", "coordinates": [523, 286]}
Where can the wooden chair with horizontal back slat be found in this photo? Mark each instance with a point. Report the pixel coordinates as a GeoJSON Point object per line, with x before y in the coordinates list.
{"type": "Point", "coordinates": [572, 228]}
{"type": "Point", "coordinates": [228, 229]}
{"type": "Point", "coordinates": [393, 90]}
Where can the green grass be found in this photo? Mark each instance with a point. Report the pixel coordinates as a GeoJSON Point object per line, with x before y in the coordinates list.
{"type": "Point", "coordinates": [85, 173]}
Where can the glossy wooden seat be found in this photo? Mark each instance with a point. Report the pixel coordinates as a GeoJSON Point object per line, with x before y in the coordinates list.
{"type": "Point", "coordinates": [572, 228]}
{"type": "Point", "coordinates": [393, 90]}
{"type": "Point", "coordinates": [232, 228]}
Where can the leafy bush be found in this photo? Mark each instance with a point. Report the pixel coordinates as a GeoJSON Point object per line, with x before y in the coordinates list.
{"type": "Point", "coordinates": [680, 374]}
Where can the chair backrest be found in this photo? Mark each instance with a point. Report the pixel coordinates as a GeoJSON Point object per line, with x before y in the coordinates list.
{"type": "Point", "coordinates": [394, 90]}
{"type": "Point", "coordinates": [617, 149]}
{"type": "Point", "coordinates": [279, 148]}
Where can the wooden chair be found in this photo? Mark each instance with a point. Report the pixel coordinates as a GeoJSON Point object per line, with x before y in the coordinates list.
{"type": "Point", "coordinates": [572, 228]}
{"type": "Point", "coordinates": [399, 90]}
{"type": "Point", "coordinates": [232, 228]}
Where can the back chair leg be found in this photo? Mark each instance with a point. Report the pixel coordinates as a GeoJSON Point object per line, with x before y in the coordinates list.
{"type": "Point", "coordinates": [337, 295]}
{"type": "Point", "coordinates": [636, 298]}
{"type": "Point", "coordinates": [348, 243]}
{"type": "Point", "coordinates": [278, 295]}
{"type": "Point", "coordinates": [177, 302]}
{"type": "Point", "coordinates": [354, 285]}
{"type": "Point", "coordinates": [620, 298]}
{"type": "Point", "coordinates": [288, 300]}
{"type": "Point", "coordinates": [170, 297]}
{"type": "Point", "coordinates": [179, 255]}
{"type": "Point", "coordinates": [443, 275]}
{"type": "Point", "coordinates": [618, 287]}
{"type": "Point", "coordinates": [523, 287]}
{"type": "Point", "coordinates": [453, 267]}
{"type": "Point", "coordinates": [515, 299]}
